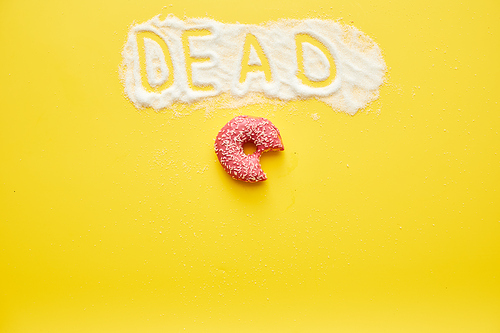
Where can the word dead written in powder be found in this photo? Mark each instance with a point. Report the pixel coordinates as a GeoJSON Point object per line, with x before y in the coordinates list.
{"type": "Point", "coordinates": [187, 61]}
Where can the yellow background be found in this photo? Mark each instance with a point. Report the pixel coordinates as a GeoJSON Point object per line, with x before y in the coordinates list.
{"type": "Point", "coordinates": [114, 219]}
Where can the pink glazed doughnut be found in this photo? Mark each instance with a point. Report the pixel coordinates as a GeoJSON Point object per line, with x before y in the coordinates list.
{"type": "Point", "coordinates": [229, 146]}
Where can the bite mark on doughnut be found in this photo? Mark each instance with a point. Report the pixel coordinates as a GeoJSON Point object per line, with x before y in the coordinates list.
{"type": "Point", "coordinates": [229, 146]}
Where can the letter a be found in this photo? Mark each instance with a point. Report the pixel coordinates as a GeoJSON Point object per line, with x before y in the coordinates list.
{"type": "Point", "coordinates": [254, 60]}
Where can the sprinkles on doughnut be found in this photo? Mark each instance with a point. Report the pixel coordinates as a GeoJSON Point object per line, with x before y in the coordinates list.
{"type": "Point", "coordinates": [229, 146]}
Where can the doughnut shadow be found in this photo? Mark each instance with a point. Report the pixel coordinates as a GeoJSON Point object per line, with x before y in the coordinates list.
{"type": "Point", "coordinates": [254, 194]}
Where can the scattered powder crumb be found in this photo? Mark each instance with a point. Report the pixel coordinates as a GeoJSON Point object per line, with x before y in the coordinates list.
{"type": "Point", "coordinates": [315, 116]}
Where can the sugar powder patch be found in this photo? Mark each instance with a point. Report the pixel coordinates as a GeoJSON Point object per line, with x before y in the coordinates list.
{"type": "Point", "coordinates": [156, 67]}
{"type": "Point", "coordinates": [253, 59]}
{"type": "Point", "coordinates": [215, 63]}
{"type": "Point", "coordinates": [316, 64]}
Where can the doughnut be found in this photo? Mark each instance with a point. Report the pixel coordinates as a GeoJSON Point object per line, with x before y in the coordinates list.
{"type": "Point", "coordinates": [229, 146]}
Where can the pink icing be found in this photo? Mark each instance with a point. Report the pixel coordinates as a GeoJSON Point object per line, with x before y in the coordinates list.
{"type": "Point", "coordinates": [229, 146]}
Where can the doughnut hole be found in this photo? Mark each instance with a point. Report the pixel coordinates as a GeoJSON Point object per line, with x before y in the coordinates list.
{"type": "Point", "coordinates": [249, 148]}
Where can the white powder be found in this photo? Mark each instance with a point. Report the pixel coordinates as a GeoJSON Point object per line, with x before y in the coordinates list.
{"type": "Point", "coordinates": [156, 67]}
{"type": "Point", "coordinates": [315, 116]}
{"type": "Point", "coordinates": [359, 66]}
{"type": "Point", "coordinates": [253, 59]}
{"type": "Point", "coordinates": [316, 64]}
